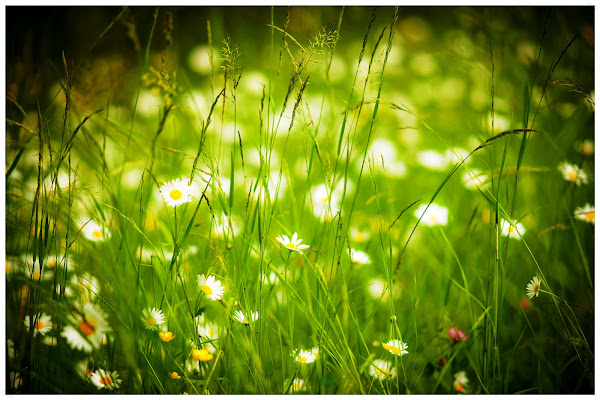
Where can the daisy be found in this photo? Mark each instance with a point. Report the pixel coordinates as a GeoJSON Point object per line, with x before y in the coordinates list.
{"type": "Point", "coordinates": [297, 386]}
{"type": "Point", "coordinates": [95, 232]}
{"type": "Point", "coordinates": [382, 370]}
{"type": "Point", "coordinates": [166, 336]}
{"type": "Point", "coordinates": [323, 201]}
{"type": "Point", "coordinates": [41, 323]}
{"type": "Point", "coordinates": [461, 381]}
{"type": "Point", "coordinates": [435, 214]}
{"type": "Point", "coordinates": [211, 287]}
{"type": "Point", "coordinates": [176, 192]}
{"type": "Point", "coordinates": [433, 160]}
{"type": "Point", "coordinates": [474, 179]}
{"type": "Point", "coordinates": [207, 330]}
{"type": "Point", "coordinates": [105, 380]}
{"type": "Point", "coordinates": [509, 230]}
{"type": "Point", "coordinates": [240, 317]}
{"type": "Point", "coordinates": [293, 244]}
{"type": "Point", "coordinates": [305, 357]}
{"type": "Point", "coordinates": [533, 287]}
{"type": "Point", "coordinates": [586, 213]}
{"type": "Point", "coordinates": [456, 335]}
{"type": "Point", "coordinates": [86, 328]}
{"type": "Point", "coordinates": [359, 257]}
{"type": "Point", "coordinates": [572, 173]}
{"type": "Point", "coordinates": [153, 318]}
{"type": "Point", "coordinates": [83, 369]}
{"type": "Point", "coordinates": [395, 346]}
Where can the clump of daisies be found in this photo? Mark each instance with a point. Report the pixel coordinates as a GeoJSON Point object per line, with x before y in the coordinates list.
{"type": "Point", "coordinates": [573, 173]}
{"type": "Point", "coordinates": [395, 346]}
{"type": "Point", "coordinates": [292, 244]}
{"type": "Point", "coordinates": [105, 379]}
{"type": "Point", "coordinates": [533, 287]}
{"type": "Point", "coordinates": [432, 215]}
{"type": "Point", "coordinates": [211, 287]}
{"type": "Point", "coordinates": [241, 317]}
{"type": "Point", "coordinates": [176, 192]}
{"type": "Point", "coordinates": [586, 213]}
{"type": "Point", "coordinates": [153, 317]}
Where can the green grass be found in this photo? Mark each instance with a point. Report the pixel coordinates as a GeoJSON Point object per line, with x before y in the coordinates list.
{"type": "Point", "coordinates": [276, 129]}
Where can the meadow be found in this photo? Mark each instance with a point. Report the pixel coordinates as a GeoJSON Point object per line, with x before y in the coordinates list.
{"type": "Point", "coordinates": [285, 200]}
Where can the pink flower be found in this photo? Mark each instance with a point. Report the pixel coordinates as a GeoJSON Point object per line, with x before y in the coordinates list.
{"type": "Point", "coordinates": [455, 335]}
{"type": "Point", "coordinates": [525, 304]}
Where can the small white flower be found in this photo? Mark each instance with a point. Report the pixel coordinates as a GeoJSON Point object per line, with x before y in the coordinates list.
{"type": "Point", "coordinates": [359, 257]}
{"type": "Point", "coordinates": [435, 214]}
{"type": "Point", "coordinates": [153, 318]}
{"type": "Point", "coordinates": [461, 381]}
{"type": "Point", "coordinates": [297, 386]}
{"type": "Point", "coordinates": [382, 370]}
{"type": "Point", "coordinates": [573, 173]}
{"type": "Point", "coordinates": [395, 346]}
{"type": "Point", "coordinates": [42, 323]}
{"type": "Point", "coordinates": [293, 244]}
{"type": "Point", "coordinates": [211, 287]}
{"type": "Point", "coordinates": [86, 328]}
{"type": "Point", "coordinates": [95, 232]}
{"type": "Point", "coordinates": [433, 160]}
{"type": "Point", "coordinates": [305, 357]}
{"type": "Point", "coordinates": [176, 192]}
{"type": "Point", "coordinates": [509, 230]}
{"type": "Point", "coordinates": [533, 287]}
{"type": "Point", "coordinates": [241, 317]}
{"type": "Point", "coordinates": [207, 329]}
{"type": "Point", "coordinates": [105, 380]}
{"type": "Point", "coordinates": [325, 202]}
{"type": "Point", "coordinates": [586, 213]}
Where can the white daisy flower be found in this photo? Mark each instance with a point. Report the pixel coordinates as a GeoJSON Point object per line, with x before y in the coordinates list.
{"type": "Point", "coordinates": [297, 386]}
{"type": "Point", "coordinates": [83, 370]}
{"type": "Point", "coordinates": [474, 179]}
{"type": "Point", "coordinates": [359, 257]}
{"type": "Point", "coordinates": [42, 323]}
{"type": "Point", "coordinates": [211, 287]}
{"type": "Point", "coordinates": [95, 232]}
{"type": "Point", "coordinates": [85, 286]}
{"type": "Point", "coordinates": [533, 287]}
{"type": "Point", "coordinates": [207, 330]}
{"type": "Point", "coordinates": [433, 160]}
{"type": "Point", "coordinates": [573, 173]}
{"type": "Point", "coordinates": [509, 230]}
{"type": "Point", "coordinates": [461, 381]}
{"type": "Point", "coordinates": [86, 328]}
{"type": "Point", "coordinates": [241, 317]}
{"type": "Point", "coordinates": [305, 356]}
{"type": "Point", "coordinates": [382, 370]}
{"type": "Point", "coordinates": [586, 213]}
{"type": "Point", "coordinates": [224, 226]}
{"type": "Point", "coordinates": [292, 244]}
{"type": "Point", "coordinates": [325, 202]}
{"type": "Point", "coordinates": [153, 318]}
{"type": "Point", "coordinates": [435, 214]}
{"type": "Point", "coordinates": [395, 346]}
{"type": "Point", "coordinates": [358, 235]}
{"type": "Point", "coordinates": [105, 380]}
{"type": "Point", "coordinates": [176, 192]}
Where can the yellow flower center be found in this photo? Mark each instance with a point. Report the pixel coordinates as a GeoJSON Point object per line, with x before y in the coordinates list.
{"type": "Point", "coordinates": [324, 200]}
{"type": "Point", "coordinates": [511, 229]}
{"type": "Point", "coordinates": [207, 290]}
{"type": "Point", "coordinates": [296, 386]}
{"type": "Point", "coordinates": [291, 246]}
{"type": "Point", "coordinates": [36, 276]}
{"type": "Point", "coordinates": [97, 234]}
{"type": "Point", "coordinates": [174, 375]}
{"type": "Point", "coordinates": [572, 175]}
{"type": "Point", "coordinates": [166, 336]}
{"type": "Point", "coordinates": [106, 380]}
{"type": "Point", "coordinates": [87, 327]}
{"type": "Point", "coordinates": [175, 194]}
{"type": "Point", "coordinates": [536, 289]}
{"type": "Point", "coordinates": [151, 321]}
{"type": "Point", "coordinates": [460, 388]}
{"type": "Point", "coordinates": [39, 325]}
{"type": "Point", "coordinates": [302, 359]}
{"type": "Point", "coordinates": [590, 216]}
